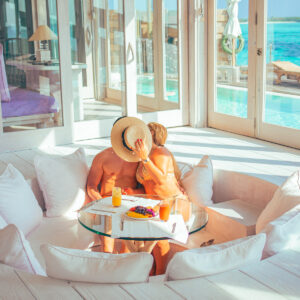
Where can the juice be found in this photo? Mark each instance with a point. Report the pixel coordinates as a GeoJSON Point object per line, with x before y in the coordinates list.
{"type": "Point", "coordinates": [116, 196]}
{"type": "Point", "coordinates": [164, 211]}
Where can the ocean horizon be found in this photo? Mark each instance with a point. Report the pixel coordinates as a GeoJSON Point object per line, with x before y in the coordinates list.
{"type": "Point", "coordinates": [283, 42]}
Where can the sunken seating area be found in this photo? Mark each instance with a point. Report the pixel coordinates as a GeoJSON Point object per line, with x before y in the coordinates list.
{"type": "Point", "coordinates": [238, 202]}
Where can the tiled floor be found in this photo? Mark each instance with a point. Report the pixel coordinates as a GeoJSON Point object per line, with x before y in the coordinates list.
{"type": "Point", "coordinates": [228, 151]}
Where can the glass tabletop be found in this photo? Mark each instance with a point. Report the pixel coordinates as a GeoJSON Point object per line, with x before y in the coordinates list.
{"type": "Point", "coordinates": [98, 218]}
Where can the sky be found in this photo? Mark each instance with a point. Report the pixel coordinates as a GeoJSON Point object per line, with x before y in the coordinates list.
{"type": "Point", "coordinates": [276, 8]}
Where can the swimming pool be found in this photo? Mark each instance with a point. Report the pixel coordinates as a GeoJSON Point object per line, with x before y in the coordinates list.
{"type": "Point", "coordinates": [145, 86]}
{"type": "Point", "coordinates": [280, 109]}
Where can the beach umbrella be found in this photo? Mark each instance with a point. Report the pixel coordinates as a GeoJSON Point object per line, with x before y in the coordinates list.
{"type": "Point", "coordinates": [232, 29]}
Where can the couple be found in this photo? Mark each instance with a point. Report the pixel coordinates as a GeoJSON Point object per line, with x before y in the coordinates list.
{"type": "Point", "coordinates": [139, 163]}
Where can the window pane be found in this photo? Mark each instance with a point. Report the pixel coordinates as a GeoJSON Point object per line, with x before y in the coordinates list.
{"type": "Point", "coordinates": [29, 64]}
{"type": "Point", "coordinates": [144, 47]}
{"type": "Point", "coordinates": [171, 89]}
{"type": "Point", "coordinates": [232, 58]}
{"type": "Point", "coordinates": [282, 99]}
{"type": "Point", "coordinates": [116, 43]}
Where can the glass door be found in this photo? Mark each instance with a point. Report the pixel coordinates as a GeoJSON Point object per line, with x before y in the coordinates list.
{"type": "Point", "coordinates": [279, 87]}
{"type": "Point", "coordinates": [162, 49]}
{"type": "Point", "coordinates": [254, 69]}
{"type": "Point", "coordinates": [35, 85]}
{"type": "Point", "coordinates": [102, 36]}
{"type": "Point", "coordinates": [231, 65]}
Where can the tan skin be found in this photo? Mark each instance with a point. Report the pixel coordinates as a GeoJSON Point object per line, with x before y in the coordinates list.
{"type": "Point", "coordinates": [109, 170]}
{"type": "Point", "coordinates": [161, 180]}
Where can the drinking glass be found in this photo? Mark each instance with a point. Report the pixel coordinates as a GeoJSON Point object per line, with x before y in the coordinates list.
{"type": "Point", "coordinates": [165, 209]}
{"type": "Point", "coordinates": [116, 196]}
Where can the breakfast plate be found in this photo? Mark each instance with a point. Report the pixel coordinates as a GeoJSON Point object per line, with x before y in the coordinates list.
{"type": "Point", "coordinates": [141, 213]}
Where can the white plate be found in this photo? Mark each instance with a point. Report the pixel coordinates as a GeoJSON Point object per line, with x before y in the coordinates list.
{"type": "Point", "coordinates": [140, 219]}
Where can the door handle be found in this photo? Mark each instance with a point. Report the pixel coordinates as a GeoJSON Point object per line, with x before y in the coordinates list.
{"type": "Point", "coordinates": [130, 54]}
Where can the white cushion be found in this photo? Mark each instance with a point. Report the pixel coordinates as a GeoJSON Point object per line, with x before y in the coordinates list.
{"type": "Point", "coordinates": [216, 259]}
{"type": "Point", "coordinates": [64, 231]}
{"type": "Point", "coordinates": [285, 198]}
{"type": "Point", "coordinates": [80, 265]}
{"type": "Point", "coordinates": [17, 202]}
{"type": "Point", "coordinates": [16, 252]}
{"type": "Point", "coordinates": [184, 168]}
{"type": "Point", "coordinates": [283, 233]}
{"type": "Point", "coordinates": [2, 223]}
{"type": "Point", "coordinates": [198, 182]}
{"type": "Point", "coordinates": [62, 181]}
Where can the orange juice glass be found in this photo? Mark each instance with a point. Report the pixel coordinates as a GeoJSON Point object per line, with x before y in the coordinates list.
{"type": "Point", "coordinates": [116, 196]}
{"type": "Point", "coordinates": [164, 210]}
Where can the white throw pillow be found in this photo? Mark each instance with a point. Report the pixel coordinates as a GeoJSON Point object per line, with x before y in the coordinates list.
{"type": "Point", "coordinates": [285, 198]}
{"type": "Point", "coordinates": [283, 233]}
{"type": "Point", "coordinates": [198, 182]}
{"type": "Point", "coordinates": [2, 223]}
{"type": "Point", "coordinates": [85, 266]}
{"type": "Point", "coordinates": [184, 168]}
{"type": "Point", "coordinates": [62, 181]}
{"type": "Point", "coordinates": [18, 204]}
{"type": "Point", "coordinates": [216, 259]}
{"type": "Point", "coordinates": [16, 252]}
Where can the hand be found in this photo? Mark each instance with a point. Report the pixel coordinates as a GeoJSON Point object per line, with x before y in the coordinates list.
{"type": "Point", "coordinates": [141, 149]}
{"type": "Point", "coordinates": [127, 191]}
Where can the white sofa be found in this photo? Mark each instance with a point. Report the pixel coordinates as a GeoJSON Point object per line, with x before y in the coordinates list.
{"type": "Point", "coordinates": [63, 231]}
{"type": "Point", "coordinates": [238, 200]}
{"type": "Point", "coordinates": [274, 278]}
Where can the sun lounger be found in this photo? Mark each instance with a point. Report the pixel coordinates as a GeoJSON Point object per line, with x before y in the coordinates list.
{"type": "Point", "coordinates": [290, 70]}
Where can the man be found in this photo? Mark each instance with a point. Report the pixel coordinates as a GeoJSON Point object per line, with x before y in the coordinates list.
{"type": "Point", "coordinates": [109, 170]}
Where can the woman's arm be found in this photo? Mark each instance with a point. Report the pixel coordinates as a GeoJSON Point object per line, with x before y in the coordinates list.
{"type": "Point", "coordinates": [159, 163]}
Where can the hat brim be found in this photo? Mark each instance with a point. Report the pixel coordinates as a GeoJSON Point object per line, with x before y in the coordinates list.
{"type": "Point", "coordinates": [117, 140]}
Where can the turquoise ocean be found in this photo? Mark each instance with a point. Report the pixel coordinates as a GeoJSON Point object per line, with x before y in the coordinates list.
{"type": "Point", "coordinates": [284, 38]}
{"type": "Point", "coordinates": [280, 108]}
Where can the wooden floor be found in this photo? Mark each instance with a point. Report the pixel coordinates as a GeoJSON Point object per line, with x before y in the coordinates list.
{"type": "Point", "coordinates": [227, 151]}
{"type": "Point", "coordinates": [275, 278]}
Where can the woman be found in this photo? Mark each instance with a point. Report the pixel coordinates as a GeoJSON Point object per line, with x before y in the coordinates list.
{"type": "Point", "coordinates": [160, 175]}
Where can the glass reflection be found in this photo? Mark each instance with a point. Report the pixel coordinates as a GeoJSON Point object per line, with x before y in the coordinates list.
{"type": "Point", "coordinates": [29, 67]}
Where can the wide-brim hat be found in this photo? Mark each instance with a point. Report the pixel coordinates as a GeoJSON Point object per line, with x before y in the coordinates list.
{"type": "Point", "coordinates": [124, 134]}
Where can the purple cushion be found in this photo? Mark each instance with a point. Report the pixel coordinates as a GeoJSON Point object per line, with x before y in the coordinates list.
{"type": "Point", "coordinates": [4, 91]}
{"type": "Point", "coordinates": [26, 103]}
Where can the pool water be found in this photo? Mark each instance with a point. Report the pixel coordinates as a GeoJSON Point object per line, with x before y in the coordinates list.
{"type": "Point", "coordinates": [145, 86]}
{"type": "Point", "coordinates": [283, 110]}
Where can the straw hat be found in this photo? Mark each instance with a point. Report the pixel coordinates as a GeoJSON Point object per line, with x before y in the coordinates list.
{"type": "Point", "coordinates": [124, 134]}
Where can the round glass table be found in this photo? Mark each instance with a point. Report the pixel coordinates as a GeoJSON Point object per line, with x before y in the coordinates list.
{"type": "Point", "coordinates": [98, 217]}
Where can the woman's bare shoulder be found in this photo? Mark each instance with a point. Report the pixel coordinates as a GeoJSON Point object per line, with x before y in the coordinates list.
{"type": "Point", "coordinates": [161, 151]}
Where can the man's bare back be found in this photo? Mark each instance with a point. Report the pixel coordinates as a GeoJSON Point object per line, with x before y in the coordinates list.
{"type": "Point", "coordinates": [109, 170]}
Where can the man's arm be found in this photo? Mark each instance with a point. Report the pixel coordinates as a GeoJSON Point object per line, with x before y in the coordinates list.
{"type": "Point", "coordinates": [94, 177]}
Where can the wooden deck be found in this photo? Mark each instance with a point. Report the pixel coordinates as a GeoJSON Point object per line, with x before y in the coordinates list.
{"type": "Point", "coordinates": [275, 278]}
